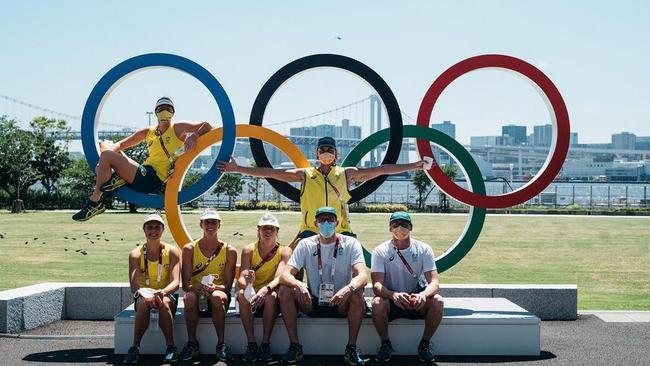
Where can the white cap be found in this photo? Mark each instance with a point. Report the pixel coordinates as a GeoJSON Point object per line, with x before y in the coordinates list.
{"type": "Point", "coordinates": [164, 101]}
{"type": "Point", "coordinates": [154, 217]}
{"type": "Point", "coordinates": [268, 219]}
{"type": "Point", "coordinates": [210, 214]}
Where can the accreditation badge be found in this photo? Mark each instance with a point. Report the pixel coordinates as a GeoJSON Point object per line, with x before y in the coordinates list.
{"type": "Point", "coordinates": [325, 293]}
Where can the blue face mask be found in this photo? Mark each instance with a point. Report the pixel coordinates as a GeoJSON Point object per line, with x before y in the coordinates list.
{"type": "Point", "coordinates": [327, 229]}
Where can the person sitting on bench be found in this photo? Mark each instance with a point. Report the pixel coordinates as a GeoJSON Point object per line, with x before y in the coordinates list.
{"type": "Point", "coordinates": [405, 283]}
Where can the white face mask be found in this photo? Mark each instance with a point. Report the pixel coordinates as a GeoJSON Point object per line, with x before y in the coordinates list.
{"type": "Point", "coordinates": [400, 233]}
{"type": "Point", "coordinates": [326, 158]}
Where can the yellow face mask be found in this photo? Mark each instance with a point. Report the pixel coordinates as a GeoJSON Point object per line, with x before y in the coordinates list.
{"type": "Point", "coordinates": [164, 115]}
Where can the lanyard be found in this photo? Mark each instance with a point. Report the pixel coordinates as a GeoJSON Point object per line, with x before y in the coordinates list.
{"type": "Point", "coordinates": [268, 257]}
{"type": "Point", "coordinates": [338, 195]}
{"type": "Point", "coordinates": [171, 158]}
{"type": "Point", "coordinates": [406, 264]}
{"type": "Point", "coordinates": [146, 265]}
{"type": "Point", "coordinates": [320, 262]}
{"type": "Point", "coordinates": [213, 256]}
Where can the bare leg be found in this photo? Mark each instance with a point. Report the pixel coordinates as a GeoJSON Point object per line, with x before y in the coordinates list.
{"type": "Point", "coordinates": [191, 314]}
{"type": "Point", "coordinates": [433, 316]}
{"type": "Point", "coordinates": [270, 314]}
{"type": "Point", "coordinates": [166, 320]}
{"type": "Point", "coordinates": [289, 310]}
{"type": "Point", "coordinates": [246, 316]}
{"type": "Point", "coordinates": [110, 160]}
{"type": "Point", "coordinates": [219, 303]}
{"type": "Point", "coordinates": [354, 307]}
{"type": "Point", "coordinates": [141, 322]}
{"type": "Point", "coordinates": [380, 310]}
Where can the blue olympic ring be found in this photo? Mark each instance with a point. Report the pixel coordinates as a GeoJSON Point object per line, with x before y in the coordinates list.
{"type": "Point", "coordinates": [102, 89]}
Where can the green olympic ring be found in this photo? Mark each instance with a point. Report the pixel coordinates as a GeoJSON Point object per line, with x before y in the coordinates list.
{"type": "Point", "coordinates": [467, 164]}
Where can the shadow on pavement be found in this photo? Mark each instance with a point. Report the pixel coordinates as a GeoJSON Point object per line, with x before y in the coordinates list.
{"type": "Point", "coordinates": [106, 356]}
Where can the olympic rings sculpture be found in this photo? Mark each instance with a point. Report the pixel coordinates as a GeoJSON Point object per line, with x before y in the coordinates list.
{"type": "Point", "coordinates": [475, 197]}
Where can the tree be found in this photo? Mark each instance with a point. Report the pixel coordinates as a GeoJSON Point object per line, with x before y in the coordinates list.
{"type": "Point", "coordinates": [50, 159]}
{"type": "Point", "coordinates": [231, 185]}
{"type": "Point", "coordinates": [422, 184]}
{"type": "Point", "coordinates": [451, 171]}
{"type": "Point", "coordinates": [17, 160]}
{"type": "Point", "coordinates": [190, 179]}
{"type": "Point", "coordinates": [255, 186]}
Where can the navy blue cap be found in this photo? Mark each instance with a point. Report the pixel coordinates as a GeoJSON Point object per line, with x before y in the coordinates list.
{"type": "Point", "coordinates": [326, 141]}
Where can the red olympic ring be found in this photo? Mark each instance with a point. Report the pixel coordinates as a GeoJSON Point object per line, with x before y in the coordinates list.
{"type": "Point", "coordinates": [559, 116]}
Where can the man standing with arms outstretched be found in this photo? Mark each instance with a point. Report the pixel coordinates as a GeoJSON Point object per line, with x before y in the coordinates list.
{"type": "Point", "coordinates": [325, 185]}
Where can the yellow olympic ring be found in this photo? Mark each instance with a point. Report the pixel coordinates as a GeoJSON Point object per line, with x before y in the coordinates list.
{"type": "Point", "coordinates": [173, 209]}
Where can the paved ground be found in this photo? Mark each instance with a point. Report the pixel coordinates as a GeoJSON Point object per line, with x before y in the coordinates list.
{"type": "Point", "coordinates": [586, 341]}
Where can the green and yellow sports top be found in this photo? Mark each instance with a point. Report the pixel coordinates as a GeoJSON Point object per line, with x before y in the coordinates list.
{"type": "Point", "coordinates": [157, 158]}
{"type": "Point", "coordinates": [316, 193]}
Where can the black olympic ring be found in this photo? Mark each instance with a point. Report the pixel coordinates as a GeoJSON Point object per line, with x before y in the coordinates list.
{"type": "Point", "coordinates": [337, 61]}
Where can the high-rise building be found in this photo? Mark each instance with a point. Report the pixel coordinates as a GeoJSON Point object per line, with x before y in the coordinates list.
{"type": "Point", "coordinates": [624, 141]}
{"type": "Point", "coordinates": [447, 127]}
{"type": "Point", "coordinates": [543, 135]}
{"type": "Point", "coordinates": [573, 139]}
{"type": "Point", "coordinates": [642, 143]}
{"type": "Point", "coordinates": [517, 134]}
{"type": "Point", "coordinates": [479, 141]}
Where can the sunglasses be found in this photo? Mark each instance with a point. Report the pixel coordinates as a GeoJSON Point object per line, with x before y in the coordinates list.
{"type": "Point", "coordinates": [167, 108]}
{"type": "Point", "coordinates": [404, 224]}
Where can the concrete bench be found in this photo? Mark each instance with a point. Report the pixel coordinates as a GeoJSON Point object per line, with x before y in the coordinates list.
{"type": "Point", "coordinates": [470, 326]}
{"type": "Point", "coordinates": [32, 306]}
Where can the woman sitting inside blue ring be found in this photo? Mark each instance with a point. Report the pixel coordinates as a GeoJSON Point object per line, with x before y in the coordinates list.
{"type": "Point", "coordinates": [165, 142]}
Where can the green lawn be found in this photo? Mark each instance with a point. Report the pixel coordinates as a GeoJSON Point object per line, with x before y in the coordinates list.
{"type": "Point", "coordinates": [607, 257]}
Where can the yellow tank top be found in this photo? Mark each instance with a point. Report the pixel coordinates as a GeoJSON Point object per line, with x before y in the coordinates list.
{"type": "Point", "coordinates": [266, 273]}
{"type": "Point", "coordinates": [165, 277]}
{"type": "Point", "coordinates": [157, 158]}
{"type": "Point", "coordinates": [216, 267]}
{"type": "Point", "coordinates": [316, 193]}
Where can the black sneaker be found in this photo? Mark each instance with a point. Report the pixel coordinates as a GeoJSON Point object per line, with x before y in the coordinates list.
{"type": "Point", "coordinates": [171, 355]}
{"type": "Point", "coordinates": [90, 210]}
{"type": "Point", "coordinates": [294, 354]}
{"type": "Point", "coordinates": [424, 352]}
{"type": "Point", "coordinates": [352, 356]}
{"type": "Point", "coordinates": [251, 352]}
{"type": "Point", "coordinates": [132, 356]}
{"type": "Point", "coordinates": [223, 353]}
{"type": "Point", "coordinates": [112, 184]}
{"type": "Point", "coordinates": [190, 351]}
{"type": "Point", "coordinates": [265, 354]}
{"type": "Point", "coordinates": [385, 351]}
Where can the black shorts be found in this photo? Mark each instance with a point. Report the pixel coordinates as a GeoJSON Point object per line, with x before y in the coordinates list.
{"type": "Point", "coordinates": [208, 313]}
{"type": "Point", "coordinates": [146, 180]}
{"type": "Point", "coordinates": [319, 311]}
{"type": "Point", "coordinates": [397, 312]}
{"type": "Point", "coordinates": [172, 297]}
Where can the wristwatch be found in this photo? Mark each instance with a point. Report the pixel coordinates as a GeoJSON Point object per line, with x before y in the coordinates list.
{"type": "Point", "coordinates": [269, 289]}
{"type": "Point", "coordinates": [352, 289]}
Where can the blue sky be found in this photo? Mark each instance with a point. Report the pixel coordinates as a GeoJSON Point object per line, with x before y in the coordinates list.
{"type": "Point", "coordinates": [596, 53]}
